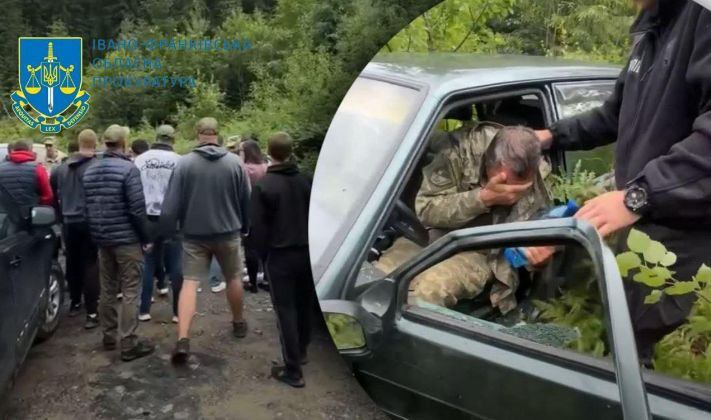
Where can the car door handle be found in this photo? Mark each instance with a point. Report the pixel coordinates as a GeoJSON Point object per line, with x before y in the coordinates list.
{"type": "Point", "coordinates": [16, 261]}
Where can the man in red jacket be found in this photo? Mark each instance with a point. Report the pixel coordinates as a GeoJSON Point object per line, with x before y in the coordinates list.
{"type": "Point", "coordinates": [24, 178]}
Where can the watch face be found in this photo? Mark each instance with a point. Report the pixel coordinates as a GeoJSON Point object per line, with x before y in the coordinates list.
{"type": "Point", "coordinates": [635, 198]}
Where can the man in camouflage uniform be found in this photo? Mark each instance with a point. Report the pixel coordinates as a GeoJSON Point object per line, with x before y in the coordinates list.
{"type": "Point", "coordinates": [468, 185]}
{"type": "Point", "coordinates": [53, 157]}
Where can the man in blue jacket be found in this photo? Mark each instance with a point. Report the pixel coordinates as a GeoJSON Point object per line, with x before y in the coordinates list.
{"type": "Point", "coordinates": [116, 212]}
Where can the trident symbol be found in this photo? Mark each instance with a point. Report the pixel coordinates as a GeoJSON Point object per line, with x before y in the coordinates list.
{"type": "Point", "coordinates": [50, 76]}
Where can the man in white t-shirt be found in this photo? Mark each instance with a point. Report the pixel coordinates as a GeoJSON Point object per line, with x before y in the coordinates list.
{"type": "Point", "coordinates": [156, 166]}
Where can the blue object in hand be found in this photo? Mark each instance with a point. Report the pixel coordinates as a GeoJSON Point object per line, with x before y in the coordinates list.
{"type": "Point", "coordinates": [516, 256]}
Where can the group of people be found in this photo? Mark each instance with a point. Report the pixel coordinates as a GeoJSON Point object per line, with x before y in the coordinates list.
{"type": "Point", "coordinates": [129, 218]}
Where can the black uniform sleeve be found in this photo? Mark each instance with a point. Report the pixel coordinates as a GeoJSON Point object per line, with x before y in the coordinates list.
{"type": "Point", "coordinates": [243, 195]}
{"type": "Point", "coordinates": [133, 188]}
{"type": "Point", "coordinates": [260, 217]}
{"type": "Point", "coordinates": [679, 183]}
{"type": "Point", "coordinates": [54, 183]}
{"type": "Point", "coordinates": [594, 128]}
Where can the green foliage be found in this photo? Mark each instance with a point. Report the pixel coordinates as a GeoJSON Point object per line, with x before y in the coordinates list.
{"type": "Point", "coordinates": [579, 185]}
{"type": "Point", "coordinates": [686, 352]}
{"type": "Point", "coordinates": [592, 30]}
{"type": "Point", "coordinates": [578, 308]}
{"type": "Point", "coordinates": [650, 259]}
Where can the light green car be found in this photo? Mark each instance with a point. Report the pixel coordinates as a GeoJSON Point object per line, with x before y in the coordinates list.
{"type": "Point", "coordinates": [420, 363]}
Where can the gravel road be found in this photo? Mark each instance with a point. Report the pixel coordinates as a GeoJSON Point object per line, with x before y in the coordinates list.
{"type": "Point", "coordinates": [71, 377]}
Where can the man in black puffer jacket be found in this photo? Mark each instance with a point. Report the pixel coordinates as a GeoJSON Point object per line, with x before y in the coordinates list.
{"type": "Point", "coordinates": [116, 212]}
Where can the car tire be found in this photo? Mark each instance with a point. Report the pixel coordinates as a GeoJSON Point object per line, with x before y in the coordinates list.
{"type": "Point", "coordinates": [55, 300]}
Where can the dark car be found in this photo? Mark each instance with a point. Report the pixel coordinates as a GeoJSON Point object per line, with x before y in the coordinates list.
{"type": "Point", "coordinates": [419, 360]}
{"type": "Point", "coordinates": [31, 282]}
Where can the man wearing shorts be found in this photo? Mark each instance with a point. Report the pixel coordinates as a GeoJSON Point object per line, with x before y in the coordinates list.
{"type": "Point", "coordinates": [208, 200]}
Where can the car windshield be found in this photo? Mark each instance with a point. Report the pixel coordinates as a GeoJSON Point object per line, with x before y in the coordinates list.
{"type": "Point", "coordinates": [360, 143]}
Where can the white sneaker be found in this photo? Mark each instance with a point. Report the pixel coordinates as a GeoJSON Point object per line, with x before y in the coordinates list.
{"type": "Point", "coordinates": [119, 296]}
{"type": "Point", "coordinates": [244, 271]}
{"type": "Point", "coordinates": [144, 317]}
{"type": "Point", "coordinates": [153, 300]}
{"type": "Point", "coordinates": [175, 319]}
{"type": "Point", "coordinates": [163, 292]}
{"type": "Point", "coordinates": [220, 287]}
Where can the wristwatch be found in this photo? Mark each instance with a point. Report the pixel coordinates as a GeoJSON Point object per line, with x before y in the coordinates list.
{"type": "Point", "coordinates": [636, 199]}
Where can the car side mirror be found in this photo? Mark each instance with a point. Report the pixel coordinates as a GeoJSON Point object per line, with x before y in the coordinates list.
{"type": "Point", "coordinates": [355, 331]}
{"type": "Point", "coordinates": [43, 216]}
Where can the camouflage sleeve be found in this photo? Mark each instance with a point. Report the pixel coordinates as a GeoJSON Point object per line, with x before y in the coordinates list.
{"type": "Point", "coordinates": [440, 203]}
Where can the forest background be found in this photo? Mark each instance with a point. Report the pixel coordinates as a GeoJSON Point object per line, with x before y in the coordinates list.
{"type": "Point", "coordinates": [304, 53]}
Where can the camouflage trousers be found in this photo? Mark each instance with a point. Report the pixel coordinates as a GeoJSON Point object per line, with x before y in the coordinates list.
{"type": "Point", "coordinates": [462, 276]}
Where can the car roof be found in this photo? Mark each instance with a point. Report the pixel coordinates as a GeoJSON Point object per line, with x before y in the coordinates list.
{"type": "Point", "coordinates": [454, 71]}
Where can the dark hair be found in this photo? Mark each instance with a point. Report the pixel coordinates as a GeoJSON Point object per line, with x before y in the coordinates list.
{"type": "Point", "coordinates": [280, 146]}
{"type": "Point", "coordinates": [248, 137]}
{"type": "Point", "coordinates": [517, 148]}
{"type": "Point", "coordinates": [73, 147]}
{"type": "Point", "coordinates": [252, 152]}
{"type": "Point", "coordinates": [139, 146]}
{"type": "Point", "coordinates": [19, 145]}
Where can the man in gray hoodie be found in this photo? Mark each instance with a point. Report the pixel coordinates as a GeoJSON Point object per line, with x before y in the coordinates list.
{"type": "Point", "coordinates": [208, 200]}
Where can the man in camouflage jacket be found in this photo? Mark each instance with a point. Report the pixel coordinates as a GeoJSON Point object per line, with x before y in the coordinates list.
{"type": "Point", "coordinates": [469, 184]}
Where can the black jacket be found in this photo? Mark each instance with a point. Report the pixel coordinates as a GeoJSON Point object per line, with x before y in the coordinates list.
{"type": "Point", "coordinates": [115, 207]}
{"type": "Point", "coordinates": [660, 115]}
{"type": "Point", "coordinates": [279, 209]}
{"type": "Point", "coordinates": [68, 189]}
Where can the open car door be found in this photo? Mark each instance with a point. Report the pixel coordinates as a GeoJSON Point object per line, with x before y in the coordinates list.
{"type": "Point", "coordinates": [418, 363]}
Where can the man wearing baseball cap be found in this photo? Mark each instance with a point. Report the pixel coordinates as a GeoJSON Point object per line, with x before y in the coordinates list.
{"type": "Point", "coordinates": [53, 157]}
{"type": "Point", "coordinates": [116, 212]}
{"type": "Point", "coordinates": [208, 198]}
{"type": "Point", "coordinates": [156, 166]}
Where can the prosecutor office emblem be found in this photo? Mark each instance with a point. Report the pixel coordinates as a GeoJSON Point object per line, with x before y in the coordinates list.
{"type": "Point", "coordinates": [50, 76]}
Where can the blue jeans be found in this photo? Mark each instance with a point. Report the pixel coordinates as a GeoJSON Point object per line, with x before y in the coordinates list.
{"type": "Point", "coordinates": [216, 276]}
{"type": "Point", "coordinates": [168, 253]}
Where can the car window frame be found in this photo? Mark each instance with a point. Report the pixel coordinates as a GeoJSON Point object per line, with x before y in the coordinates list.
{"type": "Point", "coordinates": [448, 102]}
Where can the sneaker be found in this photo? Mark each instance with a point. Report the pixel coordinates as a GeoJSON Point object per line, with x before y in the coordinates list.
{"type": "Point", "coordinates": [239, 329]}
{"type": "Point", "coordinates": [153, 300]}
{"type": "Point", "coordinates": [260, 276]}
{"type": "Point", "coordinates": [92, 321]}
{"type": "Point", "coordinates": [119, 296]}
{"type": "Point", "coordinates": [163, 292]}
{"type": "Point", "coordinates": [181, 352]}
{"type": "Point", "coordinates": [220, 287]}
{"type": "Point", "coordinates": [175, 319]}
{"type": "Point", "coordinates": [74, 309]}
{"type": "Point", "coordinates": [244, 271]}
{"type": "Point", "coordinates": [279, 373]}
{"type": "Point", "coordinates": [144, 317]}
{"type": "Point", "coordinates": [141, 349]}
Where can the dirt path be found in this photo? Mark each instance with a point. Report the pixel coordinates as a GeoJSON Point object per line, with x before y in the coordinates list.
{"type": "Point", "coordinates": [71, 377]}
